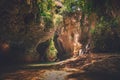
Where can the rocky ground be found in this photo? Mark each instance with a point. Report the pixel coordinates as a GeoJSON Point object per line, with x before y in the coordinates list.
{"type": "Point", "coordinates": [85, 67]}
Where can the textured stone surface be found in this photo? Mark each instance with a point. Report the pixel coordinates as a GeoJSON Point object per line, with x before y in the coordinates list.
{"type": "Point", "coordinates": [20, 30]}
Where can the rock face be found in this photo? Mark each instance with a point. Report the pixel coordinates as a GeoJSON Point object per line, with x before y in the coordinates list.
{"type": "Point", "coordinates": [23, 30]}
{"type": "Point", "coordinates": [67, 38]}
{"type": "Point", "coordinates": [20, 29]}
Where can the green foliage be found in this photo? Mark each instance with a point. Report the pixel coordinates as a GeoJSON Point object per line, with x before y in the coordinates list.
{"type": "Point", "coordinates": [57, 19]}
{"type": "Point", "coordinates": [46, 11]}
{"type": "Point", "coordinates": [45, 8]}
{"type": "Point", "coordinates": [106, 35]}
{"type": "Point", "coordinates": [73, 5]}
{"type": "Point", "coordinates": [48, 14]}
{"type": "Point", "coordinates": [52, 52]}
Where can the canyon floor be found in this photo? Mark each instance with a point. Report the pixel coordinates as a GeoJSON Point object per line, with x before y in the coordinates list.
{"type": "Point", "coordinates": [85, 67]}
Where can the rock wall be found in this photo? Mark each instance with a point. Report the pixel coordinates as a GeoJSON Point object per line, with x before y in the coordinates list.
{"type": "Point", "coordinates": [21, 30]}
{"type": "Point", "coordinates": [67, 38]}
